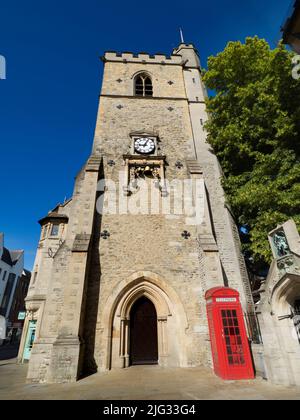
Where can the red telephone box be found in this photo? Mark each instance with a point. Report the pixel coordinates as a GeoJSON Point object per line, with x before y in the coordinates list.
{"type": "Point", "coordinates": [229, 341]}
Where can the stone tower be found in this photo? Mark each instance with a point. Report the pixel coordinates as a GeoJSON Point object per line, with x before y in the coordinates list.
{"type": "Point", "coordinates": [119, 282]}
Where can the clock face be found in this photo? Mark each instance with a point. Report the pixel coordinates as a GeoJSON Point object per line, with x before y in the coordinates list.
{"type": "Point", "coordinates": [144, 145]}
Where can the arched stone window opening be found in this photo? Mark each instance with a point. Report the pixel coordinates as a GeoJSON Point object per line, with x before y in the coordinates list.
{"type": "Point", "coordinates": [296, 316]}
{"type": "Point", "coordinates": [297, 306]}
{"type": "Point", "coordinates": [143, 85]}
{"type": "Point", "coordinates": [285, 303]}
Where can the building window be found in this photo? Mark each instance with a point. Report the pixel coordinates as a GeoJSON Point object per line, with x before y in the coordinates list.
{"type": "Point", "coordinates": [143, 85]}
{"type": "Point", "coordinates": [297, 307]}
{"type": "Point", "coordinates": [7, 294]}
{"type": "Point", "coordinates": [44, 232]}
{"type": "Point", "coordinates": [55, 230]}
{"type": "Point", "coordinates": [4, 275]}
{"type": "Point", "coordinates": [296, 317]}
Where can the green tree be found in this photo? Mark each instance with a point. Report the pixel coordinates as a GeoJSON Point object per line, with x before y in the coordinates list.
{"type": "Point", "coordinates": [254, 129]}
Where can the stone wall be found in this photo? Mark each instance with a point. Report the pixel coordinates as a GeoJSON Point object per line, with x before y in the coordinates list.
{"type": "Point", "coordinates": [90, 284]}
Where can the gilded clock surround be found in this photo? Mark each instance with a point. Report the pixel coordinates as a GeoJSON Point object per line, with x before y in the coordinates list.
{"type": "Point", "coordinates": [137, 166]}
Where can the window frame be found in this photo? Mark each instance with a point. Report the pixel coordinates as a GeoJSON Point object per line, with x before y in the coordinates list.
{"type": "Point", "coordinates": [145, 88]}
{"type": "Point", "coordinates": [53, 226]}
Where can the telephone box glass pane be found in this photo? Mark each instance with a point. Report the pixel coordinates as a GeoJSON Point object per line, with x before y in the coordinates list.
{"type": "Point", "coordinates": [234, 348]}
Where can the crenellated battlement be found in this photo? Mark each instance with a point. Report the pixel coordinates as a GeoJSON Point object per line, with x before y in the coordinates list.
{"type": "Point", "coordinates": [142, 57]}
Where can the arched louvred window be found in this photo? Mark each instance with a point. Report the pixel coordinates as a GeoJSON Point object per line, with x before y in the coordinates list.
{"type": "Point", "coordinates": [143, 85]}
{"type": "Point", "coordinates": [139, 86]}
{"type": "Point", "coordinates": [148, 87]}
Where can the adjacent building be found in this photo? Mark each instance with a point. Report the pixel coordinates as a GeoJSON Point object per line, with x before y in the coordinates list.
{"type": "Point", "coordinates": [11, 271]}
{"type": "Point", "coordinates": [278, 309]}
{"type": "Point", "coordinates": [18, 310]}
{"type": "Point", "coordinates": [291, 28]}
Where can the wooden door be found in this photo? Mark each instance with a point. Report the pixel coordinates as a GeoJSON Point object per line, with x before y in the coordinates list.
{"type": "Point", "coordinates": [143, 333]}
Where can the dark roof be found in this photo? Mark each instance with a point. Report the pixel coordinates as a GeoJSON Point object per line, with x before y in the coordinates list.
{"type": "Point", "coordinates": [16, 255]}
{"type": "Point", "coordinates": [11, 257]}
{"type": "Point", "coordinates": [6, 257]}
{"type": "Point", "coordinates": [54, 217]}
{"type": "Point", "coordinates": [26, 273]}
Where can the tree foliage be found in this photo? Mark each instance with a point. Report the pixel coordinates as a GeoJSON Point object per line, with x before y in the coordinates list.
{"type": "Point", "coordinates": [254, 129]}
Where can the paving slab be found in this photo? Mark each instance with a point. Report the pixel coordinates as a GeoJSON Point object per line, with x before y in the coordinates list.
{"type": "Point", "coordinates": [141, 383]}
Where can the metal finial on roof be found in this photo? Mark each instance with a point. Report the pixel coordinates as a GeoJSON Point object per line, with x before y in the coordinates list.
{"type": "Point", "coordinates": [181, 35]}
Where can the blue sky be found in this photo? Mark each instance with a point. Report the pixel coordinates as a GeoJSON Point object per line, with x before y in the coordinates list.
{"type": "Point", "coordinates": [48, 103]}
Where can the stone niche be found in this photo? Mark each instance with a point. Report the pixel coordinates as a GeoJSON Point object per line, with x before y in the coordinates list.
{"type": "Point", "coordinates": [143, 167]}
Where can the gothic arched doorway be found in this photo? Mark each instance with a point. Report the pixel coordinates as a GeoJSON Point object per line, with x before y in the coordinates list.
{"type": "Point", "coordinates": [143, 333]}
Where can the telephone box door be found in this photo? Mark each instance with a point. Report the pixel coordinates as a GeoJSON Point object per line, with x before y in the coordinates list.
{"type": "Point", "coordinates": [29, 340]}
{"type": "Point", "coordinates": [229, 342]}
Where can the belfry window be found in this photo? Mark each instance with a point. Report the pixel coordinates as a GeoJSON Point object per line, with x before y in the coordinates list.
{"type": "Point", "coordinates": [143, 85]}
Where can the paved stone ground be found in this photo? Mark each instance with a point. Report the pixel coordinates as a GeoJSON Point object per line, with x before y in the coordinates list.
{"type": "Point", "coordinates": [141, 383]}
